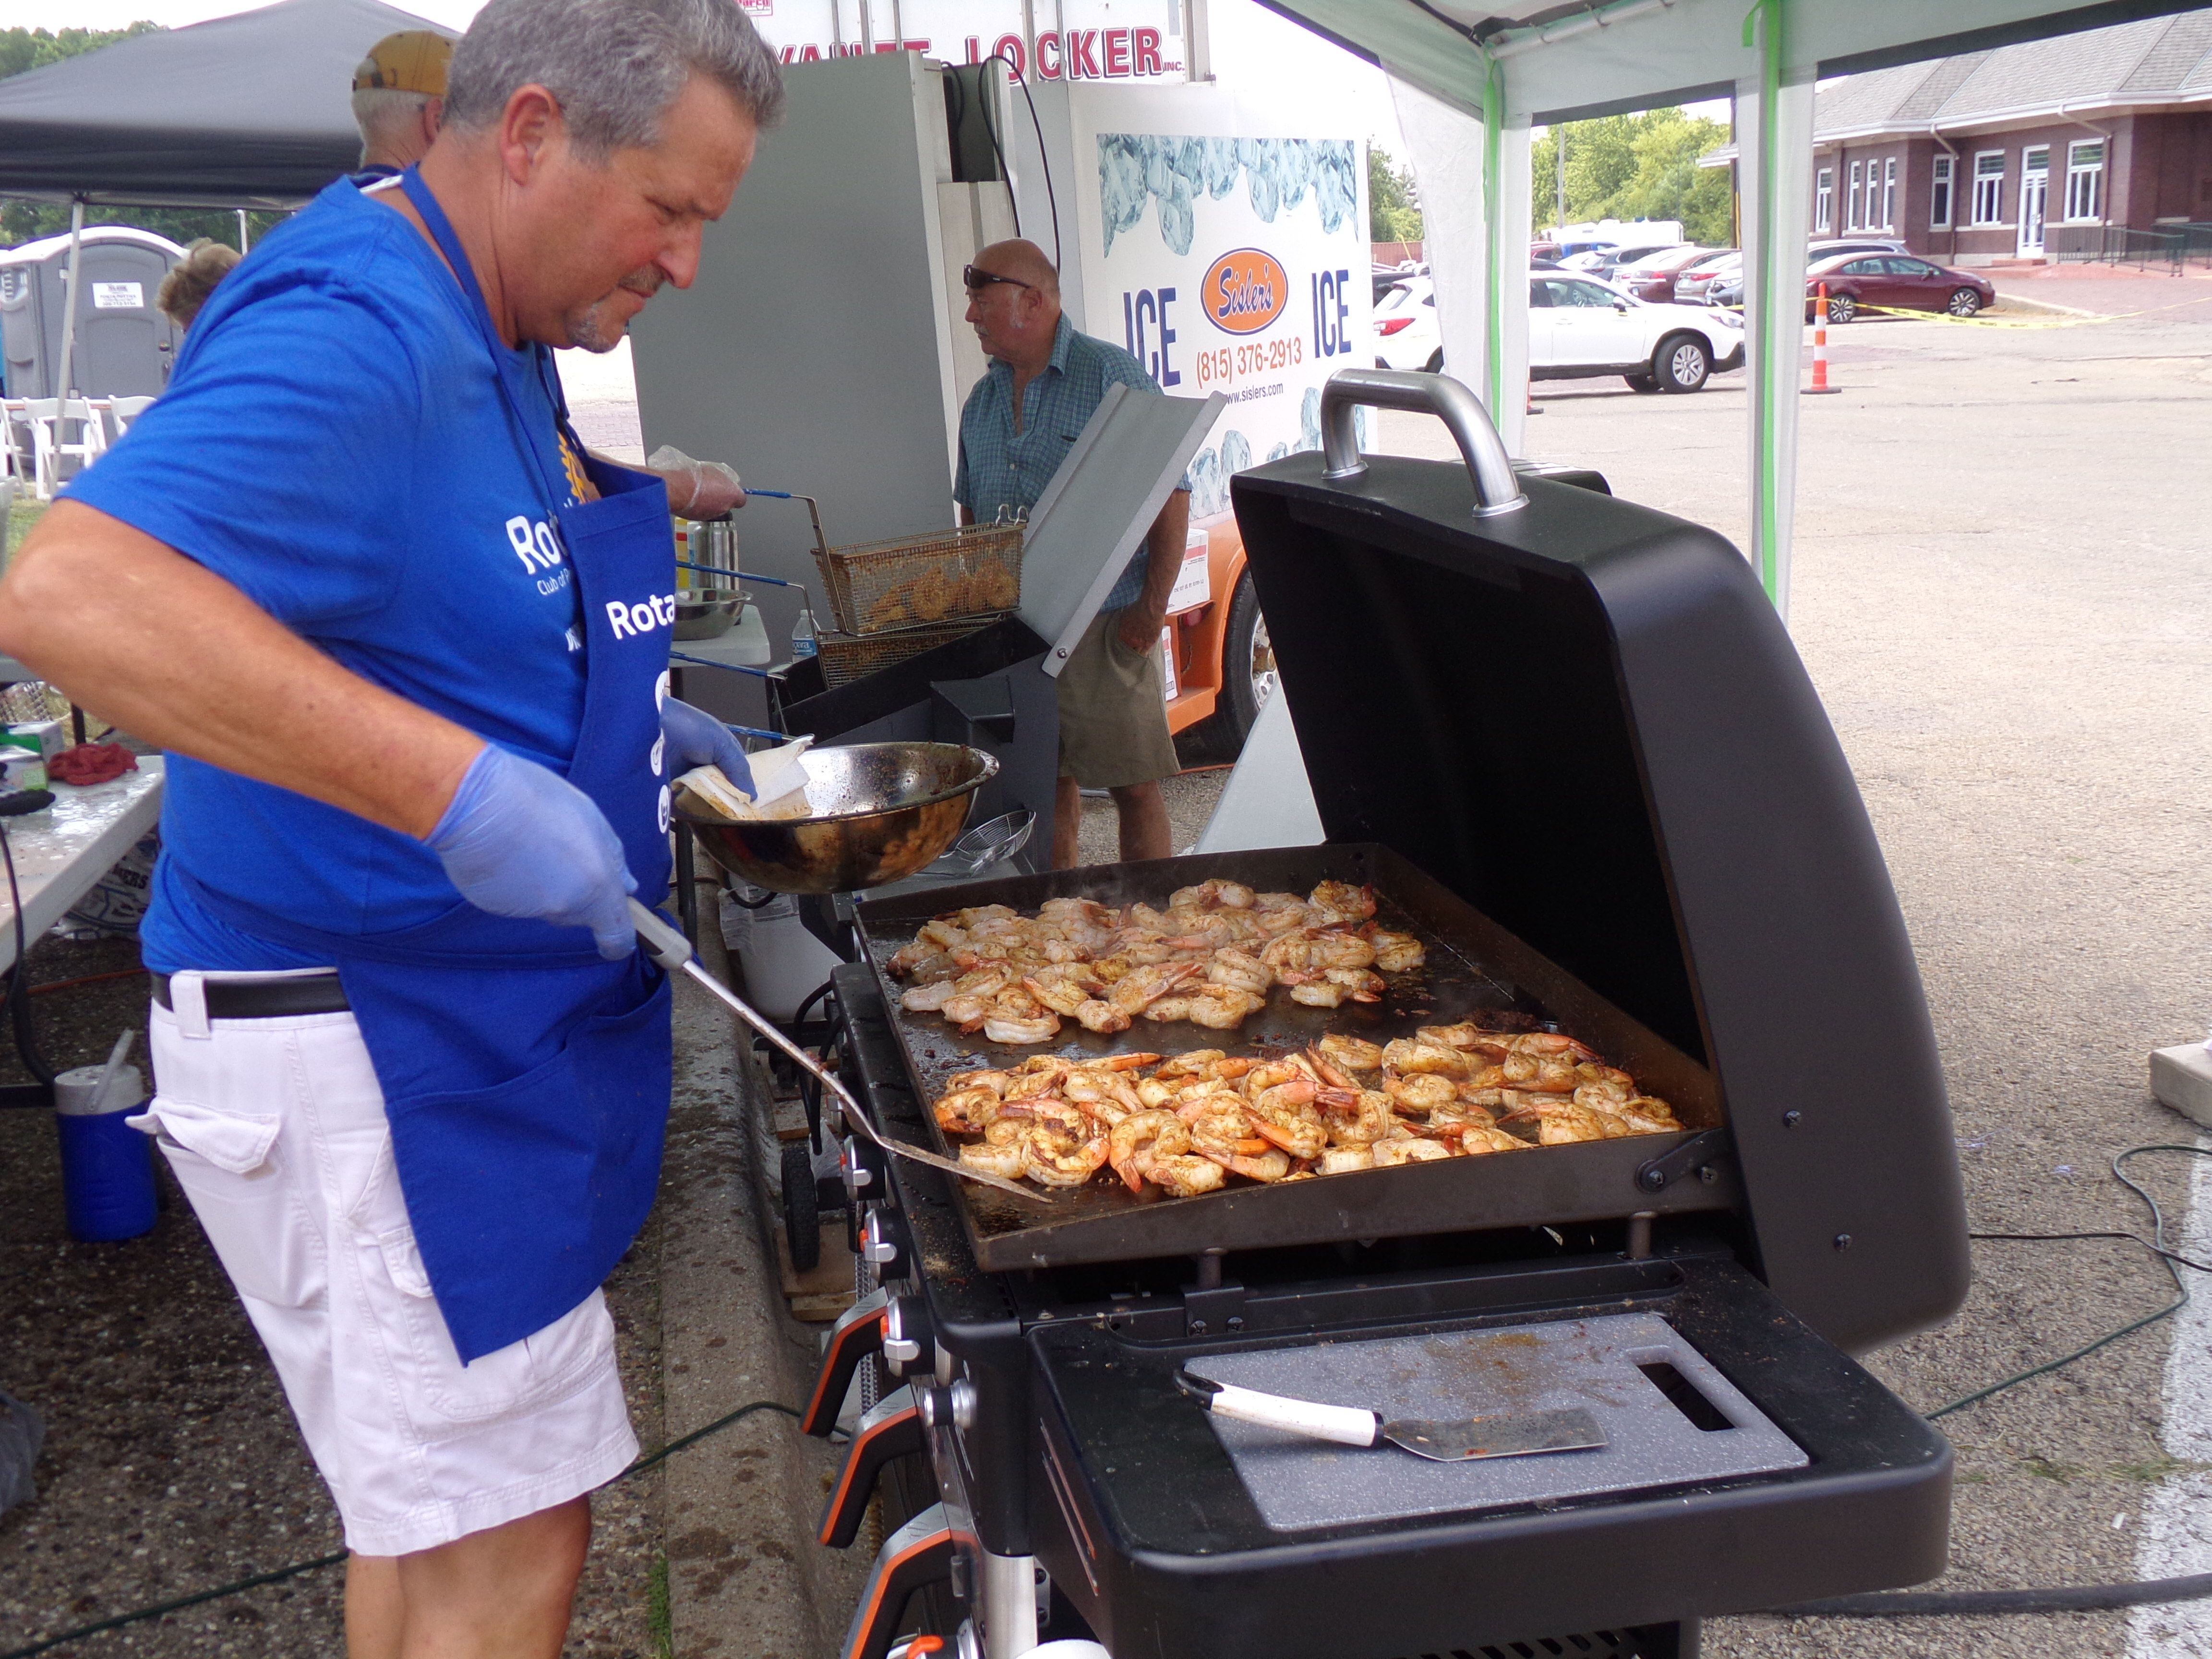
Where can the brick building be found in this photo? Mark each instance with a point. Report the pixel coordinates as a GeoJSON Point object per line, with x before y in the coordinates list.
{"type": "Point", "coordinates": [1983, 157]}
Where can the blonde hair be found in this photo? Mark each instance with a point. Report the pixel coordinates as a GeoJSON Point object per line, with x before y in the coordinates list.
{"type": "Point", "coordinates": [192, 278]}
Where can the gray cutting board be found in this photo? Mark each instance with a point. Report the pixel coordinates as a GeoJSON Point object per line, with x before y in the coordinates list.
{"type": "Point", "coordinates": [1588, 1363]}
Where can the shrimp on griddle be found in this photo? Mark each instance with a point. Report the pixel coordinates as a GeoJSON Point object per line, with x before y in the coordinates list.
{"type": "Point", "coordinates": [1003, 1151]}
{"type": "Point", "coordinates": [1349, 1053]}
{"type": "Point", "coordinates": [1137, 1138]}
{"type": "Point", "coordinates": [1340, 901]}
{"type": "Point", "coordinates": [1395, 953]}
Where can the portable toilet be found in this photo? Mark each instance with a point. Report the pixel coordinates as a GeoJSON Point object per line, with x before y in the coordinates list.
{"type": "Point", "coordinates": [123, 345]}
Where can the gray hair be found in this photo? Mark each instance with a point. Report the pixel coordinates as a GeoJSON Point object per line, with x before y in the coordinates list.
{"type": "Point", "coordinates": [381, 111]}
{"type": "Point", "coordinates": [615, 65]}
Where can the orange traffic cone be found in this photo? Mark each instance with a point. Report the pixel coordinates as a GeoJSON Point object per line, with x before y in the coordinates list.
{"type": "Point", "coordinates": [1820, 347]}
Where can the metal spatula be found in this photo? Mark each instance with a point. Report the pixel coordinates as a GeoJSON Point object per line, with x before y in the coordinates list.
{"type": "Point", "coordinates": [1511, 1434]}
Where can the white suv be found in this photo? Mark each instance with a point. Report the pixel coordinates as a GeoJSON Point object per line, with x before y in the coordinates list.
{"type": "Point", "coordinates": [1578, 326]}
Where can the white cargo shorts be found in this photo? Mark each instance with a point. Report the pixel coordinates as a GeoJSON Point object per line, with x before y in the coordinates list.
{"type": "Point", "coordinates": [276, 1132]}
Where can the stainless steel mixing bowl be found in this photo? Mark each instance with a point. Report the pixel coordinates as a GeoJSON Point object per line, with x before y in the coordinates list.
{"type": "Point", "coordinates": [879, 812]}
{"type": "Point", "coordinates": [706, 613]}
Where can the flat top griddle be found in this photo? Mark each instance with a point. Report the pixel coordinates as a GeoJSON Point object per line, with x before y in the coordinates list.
{"type": "Point", "coordinates": [1473, 969]}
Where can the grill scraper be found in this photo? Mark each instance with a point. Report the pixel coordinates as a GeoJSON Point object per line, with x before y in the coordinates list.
{"type": "Point", "coordinates": [1514, 1434]}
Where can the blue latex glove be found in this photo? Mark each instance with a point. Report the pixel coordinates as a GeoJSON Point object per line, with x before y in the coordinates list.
{"type": "Point", "coordinates": [695, 738]}
{"type": "Point", "coordinates": [520, 841]}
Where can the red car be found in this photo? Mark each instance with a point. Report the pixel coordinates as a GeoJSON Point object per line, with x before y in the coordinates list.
{"type": "Point", "coordinates": [1652, 278]}
{"type": "Point", "coordinates": [1892, 282]}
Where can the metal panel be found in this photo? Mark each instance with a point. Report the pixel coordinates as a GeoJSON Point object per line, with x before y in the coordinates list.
{"type": "Point", "coordinates": [1094, 512]}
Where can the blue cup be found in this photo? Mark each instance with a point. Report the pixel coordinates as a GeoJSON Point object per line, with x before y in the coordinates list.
{"type": "Point", "coordinates": [108, 1167]}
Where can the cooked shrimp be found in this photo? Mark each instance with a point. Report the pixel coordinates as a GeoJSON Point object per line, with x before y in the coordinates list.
{"type": "Point", "coordinates": [1285, 1115]}
{"type": "Point", "coordinates": [1054, 1157]}
{"type": "Point", "coordinates": [1270, 1165]}
{"type": "Point", "coordinates": [1134, 991]}
{"type": "Point", "coordinates": [1331, 948]}
{"type": "Point", "coordinates": [1480, 1137]}
{"type": "Point", "coordinates": [928, 998]}
{"type": "Point", "coordinates": [967, 1111]}
{"type": "Point", "coordinates": [1153, 1092]}
{"type": "Point", "coordinates": [1061, 996]}
{"type": "Point", "coordinates": [1191, 1062]}
{"type": "Point", "coordinates": [1646, 1113]}
{"type": "Point", "coordinates": [1421, 1094]}
{"type": "Point", "coordinates": [1396, 953]}
{"type": "Point", "coordinates": [1103, 1018]}
{"type": "Point", "coordinates": [1561, 1122]}
{"type": "Point", "coordinates": [1137, 1138]}
{"type": "Point", "coordinates": [1213, 895]}
{"type": "Point", "coordinates": [1339, 1160]}
{"type": "Point", "coordinates": [1350, 1053]}
{"type": "Point", "coordinates": [1003, 1151]}
{"type": "Point", "coordinates": [1338, 985]}
{"type": "Point", "coordinates": [1343, 899]}
{"type": "Point", "coordinates": [1168, 1010]}
{"type": "Point", "coordinates": [1220, 1123]}
{"type": "Point", "coordinates": [1356, 1117]}
{"type": "Point", "coordinates": [1239, 972]}
{"type": "Point", "coordinates": [1407, 1056]}
{"type": "Point", "coordinates": [1017, 1029]}
{"type": "Point", "coordinates": [1218, 1011]}
{"type": "Point", "coordinates": [1185, 1175]}
{"type": "Point", "coordinates": [1414, 1149]}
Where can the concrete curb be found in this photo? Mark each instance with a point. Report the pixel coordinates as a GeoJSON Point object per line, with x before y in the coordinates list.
{"type": "Point", "coordinates": [746, 1579]}
{"type": "Point", "coordinates": [2013, 297]}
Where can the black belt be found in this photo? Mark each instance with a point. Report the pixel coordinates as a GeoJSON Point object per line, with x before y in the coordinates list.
{"type": "Point", "coordinates": [266, 998]}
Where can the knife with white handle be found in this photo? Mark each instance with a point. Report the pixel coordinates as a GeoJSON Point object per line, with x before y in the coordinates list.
{"type": "Point", "coordinates": [1517, 1434]}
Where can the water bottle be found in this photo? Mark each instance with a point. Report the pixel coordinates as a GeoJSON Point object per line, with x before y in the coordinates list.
{"type": "Point", "coordinates": [108, 1167]}
{"type": "Point", "coordinates": [802, 642]}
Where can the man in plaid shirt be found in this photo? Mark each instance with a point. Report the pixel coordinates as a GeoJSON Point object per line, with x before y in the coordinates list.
{"type": "Point", "coordinates": [1025, 415]}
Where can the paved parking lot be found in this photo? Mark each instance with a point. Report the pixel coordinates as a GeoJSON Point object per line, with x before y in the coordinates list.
{"type": "Point", "coordinates": [2001, 579]}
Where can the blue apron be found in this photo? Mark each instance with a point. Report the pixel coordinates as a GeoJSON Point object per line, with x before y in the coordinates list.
{"type": "Point", "coordinates": [527, 1080]}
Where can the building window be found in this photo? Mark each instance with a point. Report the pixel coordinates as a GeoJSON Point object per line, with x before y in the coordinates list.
{"type": "Point", "coordinates": [1824, 200]}
{"type": "Point", "coordinates": [1888, 193]}
{"type": "Point", "coordinates": [1989, 187]}
{"type": "Point", "coordinates": [1939, 195]}
{"type": "Point", "coordinates": [2085, 179]}
{"type": "Point", "coordinates": [1854, 216]}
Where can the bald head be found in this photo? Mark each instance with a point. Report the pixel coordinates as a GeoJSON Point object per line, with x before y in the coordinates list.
{"type": "Point", "coordinates": [1024, 262]}
{"type": "Point", "coordinates": [1013, 303]}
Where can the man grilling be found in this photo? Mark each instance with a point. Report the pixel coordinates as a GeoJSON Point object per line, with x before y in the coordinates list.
{"type": "Point", "coordinates": [406, 644]}
{"type": "Point", "coordinates": [1044, 383]}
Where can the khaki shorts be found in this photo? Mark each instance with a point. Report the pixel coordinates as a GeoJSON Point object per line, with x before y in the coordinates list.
{"type": "Point", "coordinates": [276, 1132]}
{"type": "Point", "coordinates": [1113, 712]}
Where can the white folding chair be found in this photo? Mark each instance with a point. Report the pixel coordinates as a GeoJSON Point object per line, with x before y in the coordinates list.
{"type": "Point", "coordinates": [120, 412]}
{"type": "Point", "coordinates": [53, 448]}
{"type": "Point", "coordinates": [27, 459]}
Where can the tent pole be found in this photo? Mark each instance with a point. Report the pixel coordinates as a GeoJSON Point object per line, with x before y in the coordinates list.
{"type": "Point", "coordinates": [1774, 271]}
{"type": "Point", "coordinates": [65, 385]}
{"type": "Point", "coordinates": [1493, 249]}
{"type": "Point", "coordinates": [245, 241]}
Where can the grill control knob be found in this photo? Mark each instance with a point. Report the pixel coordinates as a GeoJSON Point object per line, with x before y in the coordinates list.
{"type": "Point", "coordinates": [883, 1242]}
{"type": "Point", "coordinates": [854, 1168]}
{"type": "Point", "coordinates": [906, 1336]}
{"type": "Point", "coordinates": [963, 1404]}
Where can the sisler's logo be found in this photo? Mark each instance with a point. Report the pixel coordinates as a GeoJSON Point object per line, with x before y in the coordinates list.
{"type": "Point", "coordinates": [1245, 290]}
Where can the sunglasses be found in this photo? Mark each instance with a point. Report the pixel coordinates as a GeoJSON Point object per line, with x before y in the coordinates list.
{"type": "Point", "coordinates": [976, 281]}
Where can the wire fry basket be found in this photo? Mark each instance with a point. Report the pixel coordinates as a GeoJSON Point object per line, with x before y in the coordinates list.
{"type": "Point", "coordinates": [921, 581]}
{"type": "Point", "coordinates": [850, 657]}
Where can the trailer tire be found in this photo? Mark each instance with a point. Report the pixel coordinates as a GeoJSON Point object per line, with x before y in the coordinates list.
{"type": "Point", "coordinates": [1248, 665]}
{"type": "Point", "coordinates": [802, 1208]}
{"type": "Point", "coordinates": [1436, 363]}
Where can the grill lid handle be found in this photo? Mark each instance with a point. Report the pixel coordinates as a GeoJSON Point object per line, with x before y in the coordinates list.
{"type": "Point", "coordinates": [1496, 489]}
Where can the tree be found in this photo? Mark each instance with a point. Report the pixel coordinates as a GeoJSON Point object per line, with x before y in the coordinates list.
{"type": "Point", "coordinates": [1638, 167]}
{"type": "Point", "coordinates": [21, 221]}
{"type": "Point", "coordinates": [1394, 213]}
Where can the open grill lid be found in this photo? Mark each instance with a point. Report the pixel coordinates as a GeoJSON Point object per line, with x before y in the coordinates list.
{"type": "Point", "coordinates": [1583, 717]}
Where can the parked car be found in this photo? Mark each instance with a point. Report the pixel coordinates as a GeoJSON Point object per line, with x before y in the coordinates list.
{"type": "Point", "coordinates": [1652, 277]}
{"type": "Point", "coordinates": [1724, 285]}
{"type": "Point", "coordinates": [1693, 283]}
{"type": "Point", "coordinates": [1894, 281]}
{"type": "Point", "coordinates": [1610, 263]}
{"type": "Point", "coordinates": [1816, 251]}
{"type": "Point", "coordinates": [1406, 332]}
{"type": "Point", "coordinates": [1580, 328]}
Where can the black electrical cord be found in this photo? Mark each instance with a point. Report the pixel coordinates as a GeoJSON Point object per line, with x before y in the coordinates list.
{"type": "Point", "coordinates": [650, 1460]}
{"type": "Point", "coordinates": [1043, 161]}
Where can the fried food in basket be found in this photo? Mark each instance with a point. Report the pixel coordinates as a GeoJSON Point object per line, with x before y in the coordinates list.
{"type": "Point", "coordinates": [1210, 958]}
{"type": "Point", "coordinates": [932, 598]}
{"type": "Point", "coordinates": [1188, 1124]}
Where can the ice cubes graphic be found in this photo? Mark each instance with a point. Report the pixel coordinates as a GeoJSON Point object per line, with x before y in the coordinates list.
{"type": "Point", "coordinates": [1236, 454]}
{"type": "Point", "coordinates": [1297, 171]}
{"type": "Point", "coordinates": [1277, 451]}
{"type": "Point", "coordinates": [1138, 169]}
{"type": "Point", "coordinates": [1122, 191]}
{"type": "Point", "coordinates": [1222, 166]}
{"type": "Point", "coordinates": [1178, 219]}
{"type": "Point", "coordinates": [1207, 497]}
{"type": "Point", "coordinates": [1309, 419]}
{"type": "Point", "coordinates": [1336, 186]}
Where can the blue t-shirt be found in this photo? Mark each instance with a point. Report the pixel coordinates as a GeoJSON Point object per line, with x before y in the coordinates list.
{"type": "Point", "coordinates": [334, 444]}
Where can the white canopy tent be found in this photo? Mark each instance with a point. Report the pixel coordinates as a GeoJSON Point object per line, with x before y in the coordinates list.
{"type": "Point", "coordinates": [1470, 79]}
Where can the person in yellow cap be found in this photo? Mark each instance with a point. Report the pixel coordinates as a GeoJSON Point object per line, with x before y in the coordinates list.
{"type": "Point", "coordinates": [399, 99]}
